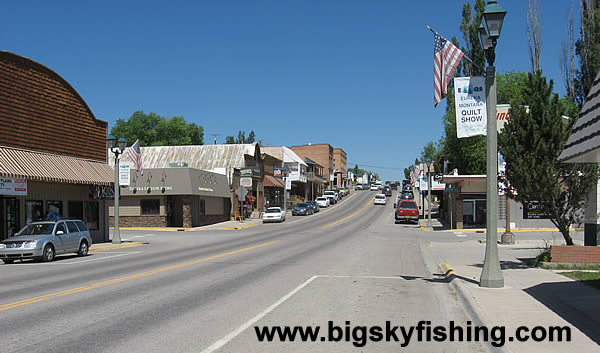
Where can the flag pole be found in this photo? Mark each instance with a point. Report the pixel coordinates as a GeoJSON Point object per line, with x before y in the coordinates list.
{"type": "Point", "coordinates": [464, 56]}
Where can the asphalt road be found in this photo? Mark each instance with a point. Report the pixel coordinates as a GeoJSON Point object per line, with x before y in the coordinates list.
{"type": "Point", "coordinates": [204, 291]}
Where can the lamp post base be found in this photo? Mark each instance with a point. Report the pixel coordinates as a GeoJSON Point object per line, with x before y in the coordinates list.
{"type": "Point", "coordinates": [507, 238]}
{"type": "Point", "coordinates": [492, 283]}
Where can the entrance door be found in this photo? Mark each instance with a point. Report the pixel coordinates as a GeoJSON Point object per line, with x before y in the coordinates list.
{"type": "Point", "coordinates": [9, 217]}
{"type": "Point", "coordinates": [474, 213]}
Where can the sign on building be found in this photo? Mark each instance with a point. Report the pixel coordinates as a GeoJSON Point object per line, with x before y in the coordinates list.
{"type": "Point", "coordinates": [246, 182]}
{"type": "Point", "coordinates": [10, 186]}
{"type": "Point", "coordinates": [124, 173]}
{"type": "Point", "coordinates": [471, 111]}
{"type": "Point", "coordinates": [534, 210]}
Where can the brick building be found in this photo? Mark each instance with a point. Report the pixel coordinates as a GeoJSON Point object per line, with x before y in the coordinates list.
{"type": "Point", "coordinates": [321, 153]}
{"type": "Point", "coordinates": [52, 150]}
{"type": "Point", "coordinates": [340, 165]}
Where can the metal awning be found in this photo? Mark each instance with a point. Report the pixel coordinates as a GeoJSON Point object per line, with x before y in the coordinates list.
{"type": "Point", "coordinates": [271, 181]}
{"type": "Point", "coordinates": [39, 166]}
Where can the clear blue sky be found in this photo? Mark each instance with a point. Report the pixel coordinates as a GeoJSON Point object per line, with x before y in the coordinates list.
{"type": "Point", "coordinates": [355, 74]}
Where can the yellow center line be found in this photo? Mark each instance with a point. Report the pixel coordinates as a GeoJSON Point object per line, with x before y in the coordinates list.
{"type": "Point", "coordinates": [127, 278]}
{"type": "Point", "coordinates": [350, 216]}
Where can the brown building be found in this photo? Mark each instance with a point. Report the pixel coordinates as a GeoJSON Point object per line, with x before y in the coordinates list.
{"type": "Point", "coordinates": [52, 150]}
{"type": "Point", "coordinates": [340, 165]}
{"type": "Point", "coordinates": [321, 153]}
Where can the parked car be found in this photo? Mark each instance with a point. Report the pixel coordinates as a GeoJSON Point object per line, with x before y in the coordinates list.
{"type": "Point", "coordinates": [302, 209]}
{"type": "Point", "coordinates": [314, 205]}
{"type": "Point", "coordinates": [323, 201]}
{"type": "Point", "coordinates": [380, 199]}
{"type": "Point", "coordinates": [274, 214]}
{"type": "Point", "coordinates": [46, 239]}
{"type": "Point", "coordinates": [406, 195]}
{"type": "Point", "coordinates": [333, 195]}
{"type": "Point", "coordinates": [374, 187]}
{"type": "Point", "coordinates": [358, 187]}
{"type": "Point", "coordinates": [407, 210]}
{"type": "Point", "coordinates": [407, 187]}
{"type": "Point", "coordinates": [387, 190]}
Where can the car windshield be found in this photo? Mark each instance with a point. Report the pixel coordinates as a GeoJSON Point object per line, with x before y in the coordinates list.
{"type": "Point", "coordinates": [380, 196]}
{"type": "Point", "coordinates": [35, 229]}
{"type": "Point", "coordinates": [301, 205]}
{"type": "Point", "coordinates": [273, 210]}
{"type": "Point", "coordinates": [407, 204]}
{"type": "Point", "coordinates": [321, 199]}
{"type": "Point", "coordinates": [329, 193]}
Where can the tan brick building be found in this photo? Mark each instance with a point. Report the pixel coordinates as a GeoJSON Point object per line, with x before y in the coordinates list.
{"type": "Point", "coordinates": [321, 153]}
{"type": "Point", "coordinates": [340, 165]}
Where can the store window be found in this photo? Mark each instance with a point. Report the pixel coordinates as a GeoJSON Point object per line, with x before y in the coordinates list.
{"type": "Point", "coordinates": [202, 207]}
{"type": "Point", "coordinates": [54, 210]}
{"type": "Point", "coordinates": [76, 209]}
{"type": "Point", "coordinates": [150, 207]}
{"type": "Point", "coordinates": [91, 214]}
{"type": "Point", "coordinates": [34, 211]}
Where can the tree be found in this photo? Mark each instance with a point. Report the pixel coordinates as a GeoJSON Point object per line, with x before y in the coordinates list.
{"type": "Point", "coordinates": [588, 49]}
{"type": "Point", "coordinates": [251, 137]}
{"type": "Point", "coordinates": [567, 59]}
{"type": "Point", "coordinates": [534, 36]}
{"type": "Point", "coordinates": [407, 172]}
{"type": "Point", "coordinates": [531, 143]}
{"type": "Point", "coordinates": [229, 140]}
{"type": "Point", "coordinates": [241, 138]}
{"type": "Point", "coordinates": [154, 130]}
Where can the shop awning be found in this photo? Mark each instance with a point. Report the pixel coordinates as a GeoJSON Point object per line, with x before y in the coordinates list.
{"type": "Point", "coordinates": [39, 166]}
{"type": "Point", "coordinates": [271, 181]}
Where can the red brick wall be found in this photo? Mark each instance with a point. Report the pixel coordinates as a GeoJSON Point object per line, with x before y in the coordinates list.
{"type": "Point", "coordinates": [576, 254]}
{"type": "Point", "coordinates": [40, 111]}
{"type": "Point", "coordinates": [322, 154]}
{"type": "Point", "coordinates": [139, 221]}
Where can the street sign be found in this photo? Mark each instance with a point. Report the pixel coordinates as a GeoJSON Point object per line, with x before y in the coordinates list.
{"type": "Point", "coordinates": [241, 192]}
{"type": "Point", "coordinates": [246, 182]}
{"type": "Point", "coordinates": [124, 173]}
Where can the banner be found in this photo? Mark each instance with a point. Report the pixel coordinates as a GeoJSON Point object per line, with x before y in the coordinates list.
{"type": "Point", "coordinates": [471, 111]}
{"type": "Point", "coordinates": [10, 186]}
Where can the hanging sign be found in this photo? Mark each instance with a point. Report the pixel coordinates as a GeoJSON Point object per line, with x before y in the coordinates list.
{"type": "Point", "coordinates": [471, 111]}
{"type": "Point", "coordinates": [10, 186]}
{"type": "Point", "coordinates": [246, 182]}
{"type": "Point", "coordinates": [124, 173]}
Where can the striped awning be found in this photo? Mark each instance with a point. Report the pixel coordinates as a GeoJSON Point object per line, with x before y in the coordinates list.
{"type": "Point", "coordinates": [39, 166]}
{"type": "Point", "coordinates": [270, 181]}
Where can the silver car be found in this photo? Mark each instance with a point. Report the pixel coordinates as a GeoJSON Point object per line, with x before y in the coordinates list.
{"type": "Point", "coordinates": [44, 240]}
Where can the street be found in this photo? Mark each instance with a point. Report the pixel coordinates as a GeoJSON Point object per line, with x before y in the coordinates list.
{"type": "Point", "coordinates": [205, 290]}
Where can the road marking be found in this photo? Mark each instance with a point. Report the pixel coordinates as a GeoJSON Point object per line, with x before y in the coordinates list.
{"type": "Point", "coordinates": [97, 259]}
{"type": "Point", "coordinates": [460, 234]}
{"type": "Point", "coordinates": [223, 341]}
{"type": "Point", "coordinates": [127, 278]}
{"type": "Point", "coordinates": [321, 212]}
{"type": "Point", "coordinates": [352, 215]}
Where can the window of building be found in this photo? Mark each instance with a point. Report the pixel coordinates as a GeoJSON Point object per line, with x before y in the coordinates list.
{"type": "Point", "coordinates": [150, 207]}
{"type": "Point", "coordinates": [76, 209]}
{"type": "Point", "coordinates": [34, 211]}
{"type": "Point", "coordinates": [91, 214]}
{"type": "Point", "coordinates": [54, 209]}
{"type": "Point", "coordinates": [202, 207]}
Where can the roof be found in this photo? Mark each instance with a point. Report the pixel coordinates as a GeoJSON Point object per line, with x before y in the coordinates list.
{"type": "Point", "coordinates": [271, 181]}
{"type": "Point", "coordinates": [39, 166]}
{"type": "Point", "coordinates": [583, 145]}
{"type": "Point", "coordinates": [283, 153]}
{"type": "Point", "coordinates": [206, 157]}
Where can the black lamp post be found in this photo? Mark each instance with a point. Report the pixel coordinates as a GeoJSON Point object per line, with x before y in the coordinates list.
{"type": "Point", "coordinates": [493, 16]}
{"type": "Point", "coordinates": [117, 147]}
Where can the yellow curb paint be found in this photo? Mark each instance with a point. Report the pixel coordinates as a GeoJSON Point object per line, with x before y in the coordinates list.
{"type": "Point", "coordinates": [240, 227]}
{"type": "Point", "coordinates": [430, 244]}
{"type": "Point", "coordinates": [352, 215]}
{"type": "Point", "coordinates": [127, 278]}
{"type": "Point", "coordinates": [157, 229]}
{"type": "Point", "coordinates": [115, 246]}
{"type": "Point", "coordinates": [447, 269]}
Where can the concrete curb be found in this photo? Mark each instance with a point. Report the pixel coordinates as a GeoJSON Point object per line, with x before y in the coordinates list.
{"type": "Point", "coordinates": [108, 247]}
{"type": "Point", "coordinates": [158, 229]}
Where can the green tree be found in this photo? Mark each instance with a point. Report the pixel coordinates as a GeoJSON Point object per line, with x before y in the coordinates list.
{"type": "Point", "coordinates": [241, 138]}
{"type": "Point", "coordinates": [587, 49]}
{"type": "Point", "coordinates": [251, 137]}
{"type": "Point", "coordinates": [154, 130]}
{"type": "Point", "coordinates": [229, 140]}
{"type": "Point", "coordinates": [531, 143]}
{"type": "Point", "coordinates": [407, 173]}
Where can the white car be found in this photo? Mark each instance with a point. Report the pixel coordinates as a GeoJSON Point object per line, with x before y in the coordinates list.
{"type": "Point", "coordinates": [374, 187]}
{"type": "Point", "coordinates": [334, 196]}
{"type": "Point", "coordinates": [323, 201]}
{"type": "Point", "coordinates": [380, 199]}
{"type": "Point", "coordinates": [274, 214]}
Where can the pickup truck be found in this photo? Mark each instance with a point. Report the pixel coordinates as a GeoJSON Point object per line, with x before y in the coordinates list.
{"type": "Point", "coordinates": [332, 195]}
{"type": "Point", "coordinates": [407, 210]}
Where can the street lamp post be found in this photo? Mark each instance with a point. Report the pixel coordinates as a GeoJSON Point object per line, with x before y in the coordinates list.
{"type": "Point", "coordinates": [429, 164]}
{"type": "Point", "coordinates": [117, 147]}
{"type": "Point", "coordinates": [493, 16]}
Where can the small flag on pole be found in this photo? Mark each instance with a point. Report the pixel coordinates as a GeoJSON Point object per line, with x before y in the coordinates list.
{"type": "Point", "coordinates": [446, 57]}
{"type": "Point", "coordinates": [136, 157]}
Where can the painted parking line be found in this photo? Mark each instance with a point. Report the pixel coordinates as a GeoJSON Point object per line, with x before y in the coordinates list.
{"type": "Point", "coordinates": [95, 259]}
{"type": "Point", "coordinates": [117, 280]}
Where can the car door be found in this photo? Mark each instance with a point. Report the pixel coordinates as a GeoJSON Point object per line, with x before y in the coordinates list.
{"type": "Point", "coordinates": [74, 235]}
{"type": "Point", "coordinates": [60, 240]}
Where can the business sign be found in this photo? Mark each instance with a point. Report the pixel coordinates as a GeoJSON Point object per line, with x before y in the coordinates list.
{"type": "Point", "coordinates": [10, 186]}
{"type": "Point", "coordinates": [471, 111]}
{"type": "Point", "coordinates": [246, 182]}
{"type": "Point", "coordinates": [124, 173]}
{"type": "Point", "coordinates": [534, 210]}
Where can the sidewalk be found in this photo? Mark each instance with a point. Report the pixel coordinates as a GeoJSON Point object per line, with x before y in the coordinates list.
{"type": "Point", "coordinates": [531, 296]}
{"type": "Point", "coordinates": [227, 225]}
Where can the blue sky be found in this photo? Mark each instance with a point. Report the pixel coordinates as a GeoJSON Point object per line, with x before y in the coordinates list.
{"type": "Point", "coordinates": [355, 74]}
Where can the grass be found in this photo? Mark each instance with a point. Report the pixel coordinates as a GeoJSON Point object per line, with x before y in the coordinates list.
{"type": "Point", "coordinates": [574, 267]}
{"type": "Point", "coordinates": [589, 278]}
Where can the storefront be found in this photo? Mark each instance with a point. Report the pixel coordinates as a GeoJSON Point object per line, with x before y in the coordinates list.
{"type": "Point", "coordinates": [173, 197]}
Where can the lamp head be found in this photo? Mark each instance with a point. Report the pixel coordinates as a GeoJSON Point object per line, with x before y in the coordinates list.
{"type": "Point", "coordinates": [122, 143]}
{"type": "Point", "coordinates": [110, 142]}
{"type": "Point", "coordinates": [493, 17]}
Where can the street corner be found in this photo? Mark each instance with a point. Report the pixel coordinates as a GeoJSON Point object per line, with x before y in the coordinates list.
{"type": "Point", "coordinates": [109, 246]}
{"type": "Point", "coordinates": [446, 270]}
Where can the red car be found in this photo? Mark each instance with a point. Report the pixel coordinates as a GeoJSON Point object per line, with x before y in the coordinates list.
{"type": "Point", "coordinates": [407, 210]}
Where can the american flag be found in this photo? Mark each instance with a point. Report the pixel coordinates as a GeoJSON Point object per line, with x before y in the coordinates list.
{"type": "Point", "coordinates": [136, 156]}
{"type": "Point", "coordinates": [414, 174]}
{"type": "Point", "coordinates": [446, 57]}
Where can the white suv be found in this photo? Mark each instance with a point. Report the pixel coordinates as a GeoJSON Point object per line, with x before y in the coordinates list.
{"type": "Point", "coordinates": [332, 195]}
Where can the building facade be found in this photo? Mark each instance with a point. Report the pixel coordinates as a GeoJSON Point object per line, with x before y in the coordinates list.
{"type": "Point", "coordinates": [52, 151]}
{"type": "Point", "coordinates": [320, 153]}
{"type": "Point", "coordinates": [340, 165]}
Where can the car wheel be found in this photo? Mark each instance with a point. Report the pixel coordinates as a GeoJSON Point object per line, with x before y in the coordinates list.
{"type": "Point", "coordinates": [48, 254]}
{"type": "Point", "coordinates": [8, 261]}
{"type": "Point", "coordinates": [83, 249]}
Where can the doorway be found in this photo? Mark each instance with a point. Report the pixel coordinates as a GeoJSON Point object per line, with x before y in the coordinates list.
{"type": "Point", "coordinates": [9, 217]}
{"type": "Point", "coordinates": [474, 213]}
